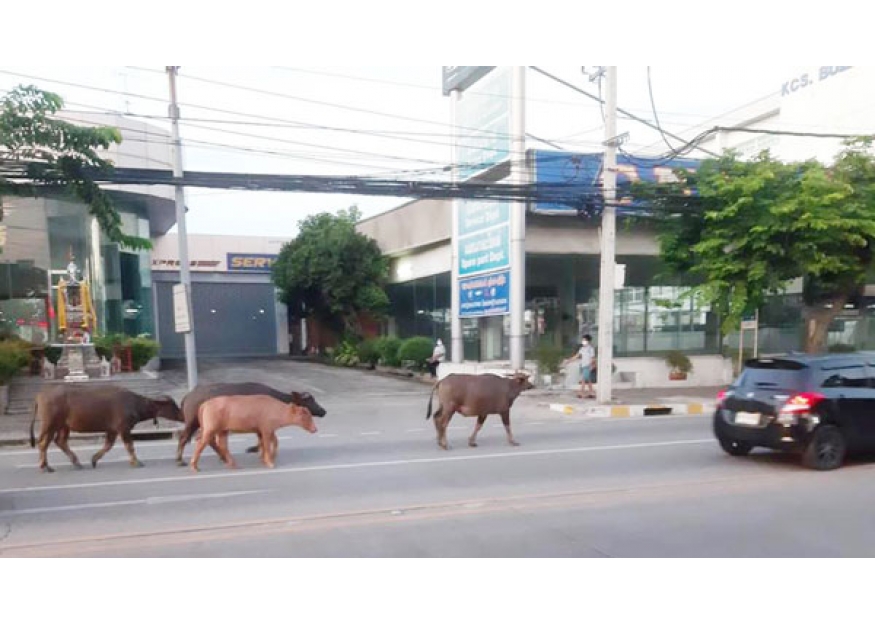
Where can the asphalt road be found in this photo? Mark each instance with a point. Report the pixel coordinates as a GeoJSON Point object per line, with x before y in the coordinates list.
{"type": "Point", "coordinates": [372, 483]}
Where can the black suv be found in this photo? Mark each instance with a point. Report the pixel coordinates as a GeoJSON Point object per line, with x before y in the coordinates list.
{"type": "Point", "coordinates": [821, 406]}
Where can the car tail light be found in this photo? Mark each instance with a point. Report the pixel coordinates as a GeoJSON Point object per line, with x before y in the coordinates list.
{"type": "Point", "coordinates": [801, 403]}
{"type": "Point", "coordinates": [721, 396]}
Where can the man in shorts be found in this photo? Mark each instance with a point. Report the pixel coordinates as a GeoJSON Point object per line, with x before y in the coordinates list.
{"type": "Point", "coordinates": [586, 356]}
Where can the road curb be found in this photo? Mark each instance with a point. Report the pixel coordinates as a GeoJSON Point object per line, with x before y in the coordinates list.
{"type": "Point", "coordinates": [625, 411]}
{"type": "Point", "coordinates": [145, 435]}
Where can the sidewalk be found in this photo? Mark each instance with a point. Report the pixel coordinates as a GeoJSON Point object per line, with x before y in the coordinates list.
{"type": "Point", "coordinates": [694, 401]}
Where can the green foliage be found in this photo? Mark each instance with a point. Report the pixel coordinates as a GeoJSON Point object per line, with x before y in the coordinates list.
{"type": "Point", "coordinates": [53, 354]}
{"type": "Point", "coordinates": [143, 350]}
{"type": "Point", "coordinates": [369, 352]}
{"type": "Point", "coordinates": [754, 226]}
{"type": "Point", "coordinates": [549, 358]}
{"type": "Point", "coordinates": [14, 355]}
{"type": "Point", "coordinates": [387, 348]}
{"type": "Point", "coordinates": [346, 355]}
{"type": "Point", "coordinates": [332, 272]}
{"type": "Point", "coordinates": [678, 362]}
{"type": "Point", "coordinates": [105, 345]}
{"type": "Point", "coordinates": [416, 350]}
{"type": "Point", "coordinates": [58, 155]}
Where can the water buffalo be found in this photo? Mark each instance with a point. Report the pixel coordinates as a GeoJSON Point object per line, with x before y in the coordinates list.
{"type": "Point", "coordinates": [475, 395]}
{"type": "Point", "coordinates": [191, 404]}
{"type": "Point", "coordinates": [258, 414]}
{"type": "Point", "coordinates": [109, 409]}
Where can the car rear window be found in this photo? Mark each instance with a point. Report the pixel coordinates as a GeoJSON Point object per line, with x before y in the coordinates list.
{"type": "Point", "coordinates": [784, 374]}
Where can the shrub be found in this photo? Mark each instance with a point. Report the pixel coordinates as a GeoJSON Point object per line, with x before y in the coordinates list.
{"type": "Point", "coordinates": [369, 352]}
{"type": "Point", "coordinates": [13, 356]}
{"type": "Point", "coordinates": [388, 347]}
{"type": "Point", "coordinates": [143, 350]}
{"type": "Point", "coordinates": [106, 344]}
{"type": "Point", "coordinates": [416, 350]}
{"type": "Point", "coordinates": [549, 358]}
{"type": "Point", "coordinates": [346, 355]}
{"type": "Point", "coordinates": [678, 362]}
{"type": "Point", "coordinates": [53, 354]}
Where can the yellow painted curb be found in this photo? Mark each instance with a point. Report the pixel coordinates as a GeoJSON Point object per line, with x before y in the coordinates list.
{"type": "Point", "coordinates": [695, 409]}
{"type": "Point", "coordinates": [620, 412]}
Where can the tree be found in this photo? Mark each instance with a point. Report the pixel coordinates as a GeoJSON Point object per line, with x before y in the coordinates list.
{"type": "Point", "coordinates": [752, 227]}
{"type": "Point", "coordinates": [332, 272]}
{"type": "Point", "coordinates": [50, 153]}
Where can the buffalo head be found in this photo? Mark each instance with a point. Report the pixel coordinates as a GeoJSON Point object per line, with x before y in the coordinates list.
{"type": "Point", "coordinates": [309, 402]}
{"type": "Point", "coordinates": [166, 408]}
{"type": "Point", "coordinates": [521, 379]}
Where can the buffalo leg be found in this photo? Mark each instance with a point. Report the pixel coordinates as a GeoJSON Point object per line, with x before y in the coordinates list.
{"type": "Point", "coordinates": [107, 445]}
{"type": "Point", "coordinates": [273, 444]}
{"type": "Point", "coordinates": [444, 422]}
{"type": "Point", "coordinates": [128, 440]}
{"type": "Point", "coordinates": [225, 452]}
{"type": "Point", "coordinates": [45, 440]}
{"type": "Point", "coordinates": [505, 418]}
{"type": "Point", "coordinates": [187, 432]}
{"type": "Point", "coordinates": [472, 442]}
{"type": "Point", "coordinates": [199, 449]}
{"type": "Point", "coordinates": [61, 441]}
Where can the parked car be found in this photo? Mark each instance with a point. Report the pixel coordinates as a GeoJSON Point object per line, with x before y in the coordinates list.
{"type": "Point", "coordinates": [820, 406]}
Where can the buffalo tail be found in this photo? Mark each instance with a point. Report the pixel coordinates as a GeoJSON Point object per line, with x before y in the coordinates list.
{"type": "Point", "coordinates": [430, 400]}
{"type": "Point", "coordinates": [32, 422]}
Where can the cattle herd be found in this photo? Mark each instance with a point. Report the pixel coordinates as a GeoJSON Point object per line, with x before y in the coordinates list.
{"type": "Point", "coordinates": [225, 408]}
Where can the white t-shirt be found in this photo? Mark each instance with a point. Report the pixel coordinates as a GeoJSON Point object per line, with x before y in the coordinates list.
{"type": "Point", "coordinates": [586, 353]}
{"type": "Point", "coordinates": [439, 353]}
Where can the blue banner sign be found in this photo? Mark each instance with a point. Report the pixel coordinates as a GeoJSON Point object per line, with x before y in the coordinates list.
{"type": "Point", "coordinates": [475, 216]}
{"type": "Point", "coordinates": [582, 174]}
{"type": "Point", "coordinates": [251, 263]}
{"type": "Point", "coordinates": [487, 250]}
{"type": "Point", "coordinates": [485, 296]}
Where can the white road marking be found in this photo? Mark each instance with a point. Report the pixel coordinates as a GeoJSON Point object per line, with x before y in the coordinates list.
{"type": "Point", "coordinates": [151, 501]}
{"type": "Point", "coordinates": [327, 435]}
{"type": "Point", "coordinates": [370, 433]}
{"type": "Point", "coordinates": [416, 430]}
{"type": "Point", "coordinates": [474, 457]}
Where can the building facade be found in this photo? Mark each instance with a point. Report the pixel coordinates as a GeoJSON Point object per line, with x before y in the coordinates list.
{"type": "Point", "coordinates": [235, 310]}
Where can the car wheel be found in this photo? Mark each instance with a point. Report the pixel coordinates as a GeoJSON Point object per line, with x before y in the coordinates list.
{"type": "Point", "coordinates": [734, 448]}
{"type": "Point", "coordinates": [826, 450]}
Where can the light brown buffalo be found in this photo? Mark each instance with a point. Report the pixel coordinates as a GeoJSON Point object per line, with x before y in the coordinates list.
{"type": "Point", "coordinates": [255, 414]}
{"type": "Point", "coordinates": [109, 409]}
{"type": "Point", "coordinates": [476, 396]}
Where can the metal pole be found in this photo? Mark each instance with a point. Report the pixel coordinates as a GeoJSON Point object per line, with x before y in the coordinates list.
{"type": "Point", "coordinates": [457, 344]}
{"type": "Point", "coordinates": [609, 242]}
{"type": "Point", "coordinates": [184, 268]}
{"type": "Point", "coordinates": [518, 221]}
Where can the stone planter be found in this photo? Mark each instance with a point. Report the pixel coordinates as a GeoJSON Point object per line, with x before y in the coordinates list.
{"type": "Point", "coordinates": [677, 376]}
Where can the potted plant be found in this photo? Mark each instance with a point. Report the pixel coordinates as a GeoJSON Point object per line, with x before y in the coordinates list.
{"type": "Point", "coordinates": [13, 357]}
{"type": "Point", "coordinates": [679, 365]}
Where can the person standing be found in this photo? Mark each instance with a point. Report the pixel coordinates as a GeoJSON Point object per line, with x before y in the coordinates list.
{"type": "Point", "coordinates": [586, 356]}
{"type": "Point", "coordinates": [437, 357]}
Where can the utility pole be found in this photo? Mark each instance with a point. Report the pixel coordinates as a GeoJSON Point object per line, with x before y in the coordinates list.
{"type": "Point", "coordinates": [604, 386]}
{"type": "Point", "coordinates": [457, 340]}
{"type": "Point", "coordinates": [518, 221]}
{"type": "Point", "coordinates": [184, 266]}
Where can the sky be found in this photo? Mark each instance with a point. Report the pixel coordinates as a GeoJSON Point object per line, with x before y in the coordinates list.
{"type": "Point", "coordinates": [369, 120]}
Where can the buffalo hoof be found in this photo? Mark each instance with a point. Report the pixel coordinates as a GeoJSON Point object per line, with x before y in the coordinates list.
{"type": "Point", "coordinates": [94, 462]}
{"type": "Point", "coordinates": [136, 464]}
{"type": "Point", "coordinates": [77, 466]}
{"type": "Point", "coordinates": [181, 463]}
{"type": "Point", "coordinates": [472, 443]}
{"type": "Point", "coordinates": [195, 469]}
{"type": "Point", "coordinates": [47, 469]}
{"type": "Point", "coordinates": [252, 450]}
{"type": "Point", "coordinates": [514, 444]}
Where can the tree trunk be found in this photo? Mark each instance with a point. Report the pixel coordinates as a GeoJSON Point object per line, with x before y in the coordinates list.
{"type": "Point", "coordinates": [817, 322]}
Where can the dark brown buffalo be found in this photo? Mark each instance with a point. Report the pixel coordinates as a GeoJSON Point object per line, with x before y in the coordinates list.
{"type": "Point", "coordinates": [191, 404]}
{"type": "Point", "coordinates": [109, 409]}
{"type": "Point", "coordinates": [475, 396]}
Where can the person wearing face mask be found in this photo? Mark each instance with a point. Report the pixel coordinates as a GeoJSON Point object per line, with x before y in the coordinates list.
{"type": "Point", "coordinates": [586, 356]}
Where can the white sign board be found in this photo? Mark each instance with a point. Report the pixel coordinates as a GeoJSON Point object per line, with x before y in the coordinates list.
{"type": "Point", "coordinates": [181, 309]}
